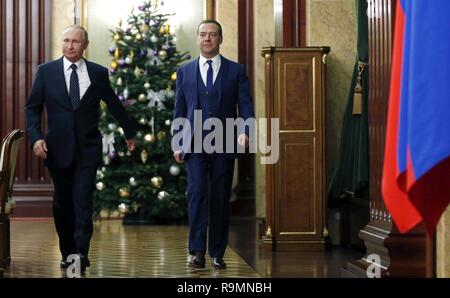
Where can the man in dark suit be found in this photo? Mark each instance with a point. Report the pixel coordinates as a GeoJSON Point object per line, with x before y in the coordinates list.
{"type": "Point", "coordinates": [70, 88]}
{"type": "Point", "coordinates": [215, 86]}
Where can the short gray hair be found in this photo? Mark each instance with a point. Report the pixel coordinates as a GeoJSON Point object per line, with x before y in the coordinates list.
{"type": "Point", "coordinates": [78, 27]}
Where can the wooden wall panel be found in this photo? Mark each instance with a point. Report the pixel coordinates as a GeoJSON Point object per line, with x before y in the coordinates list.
{"type": "Point", "coordinates": [297, 187]}
{"type": "Point", "coordinates": [25, 43]}
{"type": "Point", "coordinates": [290, 23]}
{"type": "Point", "coordinates": [297, 112]}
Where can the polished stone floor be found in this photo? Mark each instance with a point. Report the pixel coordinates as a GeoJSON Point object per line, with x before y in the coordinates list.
{"type": "Point", "coordinates": [116, 251]}
{"type": "Point", "coordinates": [161, 251]}
{"type": "Point", "coordinates": [245, 240]}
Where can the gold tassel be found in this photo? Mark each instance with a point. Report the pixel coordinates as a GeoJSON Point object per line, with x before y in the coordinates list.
{"type": "Point", "coordinates": [357, 100]}
{"type": "Point", "coordinates": [357, 95]}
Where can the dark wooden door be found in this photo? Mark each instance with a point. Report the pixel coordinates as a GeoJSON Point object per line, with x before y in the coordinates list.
{"type": "Point", "coordinates": [25, 42]}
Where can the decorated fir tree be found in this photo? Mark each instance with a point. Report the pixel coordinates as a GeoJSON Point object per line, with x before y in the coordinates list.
{"type": "Point", "coordinates": [146, 185]}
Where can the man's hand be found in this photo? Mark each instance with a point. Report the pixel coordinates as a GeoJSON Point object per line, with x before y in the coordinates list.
{"type": "Point", "coordinates": [243, 140]}
{"type": "Point", "coordinates": [40, 149]}
{"type": "Point", "coordinates": [177, 156]}
{"type": "Point", "coordinates": [131, 144]}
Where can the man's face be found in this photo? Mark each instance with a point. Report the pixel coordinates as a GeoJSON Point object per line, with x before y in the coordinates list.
{"type": "Point", "coordinates": [73, 44]}
{"type": "Point", "coordinates": [209, 40]}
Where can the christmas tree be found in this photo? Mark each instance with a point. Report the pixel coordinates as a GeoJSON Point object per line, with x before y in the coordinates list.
{"type": "Point", "coordinates": [145, 185]}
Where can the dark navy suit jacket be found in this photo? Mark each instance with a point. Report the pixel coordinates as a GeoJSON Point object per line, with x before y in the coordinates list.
{"type": "Point", "coordinates": [234, 93]}
{"type": "Point", "coordinates": [72, 133]}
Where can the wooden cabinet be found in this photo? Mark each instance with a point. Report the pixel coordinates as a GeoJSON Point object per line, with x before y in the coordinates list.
{"type": "Point", "coordinates": [295, 185]}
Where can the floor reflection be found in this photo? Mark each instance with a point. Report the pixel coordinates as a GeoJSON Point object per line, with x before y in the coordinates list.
{"type": "Point", "coordinates": [116, 251]}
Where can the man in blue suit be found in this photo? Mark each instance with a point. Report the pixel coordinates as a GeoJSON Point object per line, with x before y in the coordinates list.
{"type": "Point", "coordinates": [70, 88]}
{"type": "Point", "coordinates": [215, 86]}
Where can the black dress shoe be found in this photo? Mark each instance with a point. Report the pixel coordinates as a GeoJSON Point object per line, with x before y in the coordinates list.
{"type": "Point", "coordinates": [84, 263]}
{"type": "Point", "coordinates": [218, 263]}
{"type": "Point", "coordinates": [64, 264]}
{"type": "Point", "coordinates": [197, 260]}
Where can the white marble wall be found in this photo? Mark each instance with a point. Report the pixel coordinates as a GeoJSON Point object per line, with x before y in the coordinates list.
{"type": "Point", "coordinates": [103, 15]}
{"type": "Point", "coordinates": [227, 16]}
{"type": "Point", "coordinates": [264, 36]}
{"type": "Point", "coordinates": [62, 16]}
{"type": "Point", "coordinates": [333, 23]}
{"type": "Point", "coordinates": [443, 246]}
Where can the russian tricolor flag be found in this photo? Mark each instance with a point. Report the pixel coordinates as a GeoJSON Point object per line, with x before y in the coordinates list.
{"type": "Point", "coordinates": [416, 174]}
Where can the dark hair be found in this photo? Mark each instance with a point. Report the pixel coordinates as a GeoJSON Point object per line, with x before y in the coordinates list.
{"type": "Point", "coordinates": [78, 27]}
{"type": "Point", "coordinates": [210, 22]}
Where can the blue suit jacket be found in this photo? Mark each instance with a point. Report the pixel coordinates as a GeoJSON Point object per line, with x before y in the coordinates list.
{"type": "Point", "coordinates": [72, 133]}
{"type": "Point", "coordinates": [234, 92]}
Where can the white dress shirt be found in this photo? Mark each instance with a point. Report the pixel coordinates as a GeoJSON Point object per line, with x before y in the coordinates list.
{"type": "Point", "coordinates": [82, 72]}
{"type": "Point", "coordinates": [204, 67]}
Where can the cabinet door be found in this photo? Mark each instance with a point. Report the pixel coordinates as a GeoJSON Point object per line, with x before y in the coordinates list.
{"type": "Point", "coordinates": [299, 183]}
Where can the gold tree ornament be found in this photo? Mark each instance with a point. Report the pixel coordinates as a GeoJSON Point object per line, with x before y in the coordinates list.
{"type": "Point", "coordinates": [167, 29]}
{"type": "Point", "coordinates": [174, 76]}
{"type": "Point", "coordinates": [156, 182]}
{"type": "Point", "coordinates": [161, 135]}
{"type": "Point", "coordinates": [138, 72]}
{"type": "Point", "coordinates": [117, 37]}
{"type": "Point", "coordinates": [149, 138]}
{"type": "Point", "coordinates": [144, 156]}
{"type": "Point", "coordinates": [162, 54]}
{"type": "Point", "coordinates": [117, 53]}
{"type": "Point", "coordinates": [142, 98]}
{"type": "Point", "coordinates": [124, 192]}
{"type": "Point", "coordinates": [102, 105]}
{"type": "Point", "coordinates": [144, 28]}
{"type": "Point", "coordinates": [138, 36]}
{"type": "Point", "coordinates": [114, 65]}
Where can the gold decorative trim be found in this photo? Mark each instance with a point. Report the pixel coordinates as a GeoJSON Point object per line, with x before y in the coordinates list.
{"type": "Point", "coordinates": [324, 58]}
{"type": "Point", "coordinates": [82, 18]}
{"type": "Point", "coordinates": [208, 9]}
{"type": "Point", "coordinates": [269, 232]}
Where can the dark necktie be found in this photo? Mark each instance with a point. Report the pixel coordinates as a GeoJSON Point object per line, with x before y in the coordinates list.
{"type": "Point", "coordinates": [74, 92]}
{"type": "Point", "coordinates": [209, 76]}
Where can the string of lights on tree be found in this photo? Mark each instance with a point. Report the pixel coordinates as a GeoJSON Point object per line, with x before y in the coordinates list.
{"type": "Point", "coordinates": [145, 184]}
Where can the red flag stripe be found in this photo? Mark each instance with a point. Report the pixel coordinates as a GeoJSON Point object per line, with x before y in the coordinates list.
{"type": "Point", "coordinates": [403, 212]}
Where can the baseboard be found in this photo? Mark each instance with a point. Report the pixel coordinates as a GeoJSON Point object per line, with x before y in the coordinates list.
{"type": "Point", "coordinates": [37, 207]}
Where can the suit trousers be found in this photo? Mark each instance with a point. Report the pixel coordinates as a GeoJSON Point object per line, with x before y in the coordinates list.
{"type": "Point", "coordinates": [72, 207]}
{"type": "Point", "coordinates": [210, 178]}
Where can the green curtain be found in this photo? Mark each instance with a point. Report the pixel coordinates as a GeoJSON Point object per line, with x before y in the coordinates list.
{"type": "Point", "coordinates": [352, 172]}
